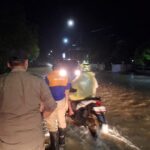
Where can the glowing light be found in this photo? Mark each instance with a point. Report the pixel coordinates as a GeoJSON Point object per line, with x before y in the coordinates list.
{"type": "Point", "coordinates": [63, 55]}
{"type": "Point", "coordinates": [63, 72]}
{"type": "Point", "coordinates": [77, 72]}
{"type": "Point", "coordinates": [65, 40]}
{"type": "Point", "coordinates": [70, 23]}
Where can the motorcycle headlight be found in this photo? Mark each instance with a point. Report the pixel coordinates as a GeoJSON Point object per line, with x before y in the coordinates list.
{"type": "Point", "coordinates": [62, 72]}
{"type": "Point", "coordinates": [77, 72]}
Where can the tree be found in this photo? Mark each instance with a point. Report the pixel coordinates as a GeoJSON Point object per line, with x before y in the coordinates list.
{"type": "Point", "coordinates": [142, 55]}
{"type": "Point", "coordinates": [15, 33]}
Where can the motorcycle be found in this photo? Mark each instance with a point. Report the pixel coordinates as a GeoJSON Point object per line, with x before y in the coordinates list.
{"type": "Point", "coordinates": [89, 112]}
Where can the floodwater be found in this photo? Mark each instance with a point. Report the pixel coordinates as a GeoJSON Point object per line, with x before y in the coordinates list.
{"type": "Point", "coordinates": [127, 99]}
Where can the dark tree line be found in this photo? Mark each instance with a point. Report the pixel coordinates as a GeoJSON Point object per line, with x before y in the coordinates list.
{"type": "Point", "coordinates": [16, 33]}
{"type": "Point", "coordinates": [142, 55]}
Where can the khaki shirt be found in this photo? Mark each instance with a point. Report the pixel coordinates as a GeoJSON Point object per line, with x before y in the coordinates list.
{"type": "Point", "coordinates": [20, 120]}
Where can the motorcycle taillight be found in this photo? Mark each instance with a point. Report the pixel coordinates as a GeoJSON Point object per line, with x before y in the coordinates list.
{"type": "Point", "coordinates": [98, 103]}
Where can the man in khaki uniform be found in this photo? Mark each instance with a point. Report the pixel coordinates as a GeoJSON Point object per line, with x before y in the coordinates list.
{"type": "Point", "coordinates": [20, 96]}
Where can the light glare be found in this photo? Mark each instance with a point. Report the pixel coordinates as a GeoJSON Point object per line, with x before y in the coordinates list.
{"type": "Point", "coordinates": [77, 72]}
{"type": "Point", "coordinates": [65, 40]}
{"type": "Point", "coordinates": [63, 72]}
{"type": "Point", "coordinates": [70, 23]}
{"type": "Point", "coordinates": [63, 55]}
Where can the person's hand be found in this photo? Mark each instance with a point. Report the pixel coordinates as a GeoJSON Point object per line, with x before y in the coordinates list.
{"type": "Point", "coordinates": [71, 112]}
{"type": "Point", "coordinates": [46, 114]}
{"type": "Point", "coordinates": [43, 111]}
{"type": "Point", "coordinates": [41, 107]}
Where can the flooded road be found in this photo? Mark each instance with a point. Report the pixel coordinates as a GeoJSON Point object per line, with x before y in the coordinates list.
{"type": "Point", "coordinates": [127, 99]}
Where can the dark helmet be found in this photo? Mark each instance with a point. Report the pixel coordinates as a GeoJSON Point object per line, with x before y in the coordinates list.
{"type": "Point", "coordinates": [17, 55]}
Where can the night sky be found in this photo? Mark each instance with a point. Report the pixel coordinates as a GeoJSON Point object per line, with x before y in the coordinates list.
{"type": "Point", "coordinates": [98, 25]}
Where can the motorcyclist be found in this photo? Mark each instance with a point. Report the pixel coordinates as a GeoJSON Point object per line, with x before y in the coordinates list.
{"type": "Point", "coordinates": [86, 84]}
{"type": "Point", "coordinates": [85, 99]}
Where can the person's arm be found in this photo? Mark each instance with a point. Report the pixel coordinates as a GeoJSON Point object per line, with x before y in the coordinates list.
{"type": "Point", "coordinates": [70, 110]}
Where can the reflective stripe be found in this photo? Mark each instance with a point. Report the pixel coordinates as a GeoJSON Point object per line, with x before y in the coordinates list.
{"type": "Point", "coordinates": [56, 80]}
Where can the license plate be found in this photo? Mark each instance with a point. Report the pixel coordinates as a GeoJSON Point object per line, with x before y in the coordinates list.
{"type": "Point", "coordinates": [99, 109]}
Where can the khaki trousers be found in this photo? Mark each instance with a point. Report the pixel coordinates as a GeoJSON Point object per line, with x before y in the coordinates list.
{"type": "Point", "coordinates": [57, 118]}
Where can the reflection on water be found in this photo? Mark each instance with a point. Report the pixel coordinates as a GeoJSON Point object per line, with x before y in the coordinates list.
{"type": "Point", "coordinates": [127, 99]}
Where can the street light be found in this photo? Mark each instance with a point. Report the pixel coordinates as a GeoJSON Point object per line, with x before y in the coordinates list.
{"type": "Point", "coordinates": [64, 55]}
{"type": "Point", "coordinates": [70, 23]}
{"type": "Point", "coordinates": [65, 40]}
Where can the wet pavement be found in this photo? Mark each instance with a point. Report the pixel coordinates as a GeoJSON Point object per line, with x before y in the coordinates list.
{"type": "Point", "coordinates": [127, 98]}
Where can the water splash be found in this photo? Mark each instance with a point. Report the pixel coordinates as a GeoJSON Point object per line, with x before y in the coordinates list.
{"type": "Point", "coordinates": [113, 133]}
{"type": "Point", "coordinates": [81, 137]}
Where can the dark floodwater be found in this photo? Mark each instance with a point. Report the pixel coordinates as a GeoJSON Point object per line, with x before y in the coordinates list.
{"type": "Point", "coordinates": [127, 98]}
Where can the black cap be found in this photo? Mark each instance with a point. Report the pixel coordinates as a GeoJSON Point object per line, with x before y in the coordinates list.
{"type": "Point", "coordinates": [18, 55]}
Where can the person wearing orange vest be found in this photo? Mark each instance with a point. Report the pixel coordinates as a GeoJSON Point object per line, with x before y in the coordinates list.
{"type": "Point", "coordinates": [59, 86]}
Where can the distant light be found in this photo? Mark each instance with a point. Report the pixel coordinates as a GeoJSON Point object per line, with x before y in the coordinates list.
{"type": "Point", "coordinates": [70, 23]}
{"type": "Point", "coordinates": [49, 65]}
{"type": "Point", "coordinates": [63, 55]}
{"type": "Point", "coordinates": [49, 54]}
{"type": "Point", "coordinates": [51, 51]}
{"type": "Point", "coordinates": [132, 60]}
{"type": "Point", "coordinates": [65, 40]}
